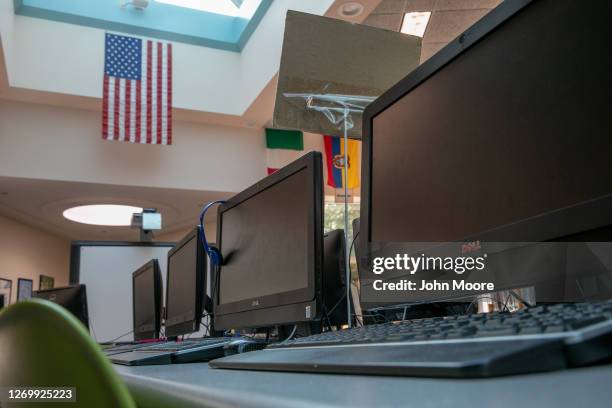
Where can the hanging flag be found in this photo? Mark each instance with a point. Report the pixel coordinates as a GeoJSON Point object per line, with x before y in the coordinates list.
{"type": "Point", "coordinates": [137, 94]}
{"type": "Point", "coordinates": [334, 156]}
{"type": "Point", "coordinates": [284, 146]}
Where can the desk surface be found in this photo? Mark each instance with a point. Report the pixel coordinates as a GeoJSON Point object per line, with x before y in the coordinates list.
{"type": "Point", "coordinates": [191, 385]}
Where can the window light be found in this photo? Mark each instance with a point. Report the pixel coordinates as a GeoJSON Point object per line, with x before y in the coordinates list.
{"type": "Point", "coordinates": [224, 7]}
{"type": "Point", "coordinates": [415, 23]}
{"type": "Point", "coordinates": [102, 214]}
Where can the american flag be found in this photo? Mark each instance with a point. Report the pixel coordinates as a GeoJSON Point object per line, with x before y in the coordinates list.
{"type": "Point", "coordinates": [137, 101]}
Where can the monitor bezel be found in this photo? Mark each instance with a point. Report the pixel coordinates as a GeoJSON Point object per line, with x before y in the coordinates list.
{"type": "Point", "coordinates": [542, 227]}
{"type": "Point", "coordinates": [81, 291]}
{"type": "Point", "coordinates": [157, 296]}
{"type": "Point", "coordinates": [288, 307]}
{"type": "Point", "coordinates": [555, 225]}
{"type": "Point", "coordinates": [192, 325]}
{"type": "Point", "coordinates": [446, 55]}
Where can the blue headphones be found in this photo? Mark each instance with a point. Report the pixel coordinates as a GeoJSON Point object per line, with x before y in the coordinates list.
{"type": "Point", "coordinates": [213, 253]}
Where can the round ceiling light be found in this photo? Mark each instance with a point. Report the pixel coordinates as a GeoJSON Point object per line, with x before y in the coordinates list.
{"type": "Point", "coordinates": [102, 214]}
{"type": "Point", "coordinates": [350, 9]}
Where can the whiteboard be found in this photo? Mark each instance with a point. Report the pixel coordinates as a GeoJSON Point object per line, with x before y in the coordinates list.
{"type": "Point", "coordinates": [106, 270]}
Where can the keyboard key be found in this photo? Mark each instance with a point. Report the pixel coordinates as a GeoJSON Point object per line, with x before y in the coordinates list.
{"type": "Point", "coordinates": [501, 332]}
{"type": "Point", "coordinates": [587, 322]}
{"type": "Point", "coordinates": [528, 321]}
{"type": "Point", "coordinates": [530, 330]}
{"type": "Point", "coordinates": [554, 328]}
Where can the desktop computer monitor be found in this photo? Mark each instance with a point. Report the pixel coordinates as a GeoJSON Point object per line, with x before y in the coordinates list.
{"type": "Point", "coordinates": [271, 239]}
{"type": "Point", "coordinates": [186, 286]}
{"type": "Point", "coordinates": [334, 285]}
{"type": "Point", "coordinates": [147, 301]}
{"type": "Point", "coordinates": [502, 136]}
{"type": "Point", "coordinates": [73, 298]}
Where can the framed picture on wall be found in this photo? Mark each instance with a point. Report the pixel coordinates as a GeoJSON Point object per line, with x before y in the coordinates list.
{"type": "Point", "coordinates": [6, 286]}
{"type": "Point", "coordinates": [24, 288]}
{"type": "Point", "coordinates": [46, 282]}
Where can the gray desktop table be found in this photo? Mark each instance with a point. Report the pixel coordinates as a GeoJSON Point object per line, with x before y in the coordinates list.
{"type": "Point", "coordinates": [197, 385]}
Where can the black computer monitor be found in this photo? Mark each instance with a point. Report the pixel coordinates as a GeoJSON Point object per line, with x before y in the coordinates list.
{"type": "Point", "coordinates": [334, 288]}
{"type": "Point", "coordinates": [73, 298]}
{"type": "Point", "coordinates": [504, 135]}
{"type": "Point", "coordinates": [147, 300]}
{"type": "Point", "coordinates": [186, 286]}
{"type": "Point", "coordinates": [271, 239]}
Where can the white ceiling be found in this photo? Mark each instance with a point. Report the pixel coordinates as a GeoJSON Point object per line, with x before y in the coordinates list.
{"type": "Point", "coordinates": [40, 203]}
{"type": "Point", "coordinates": [239, 88]}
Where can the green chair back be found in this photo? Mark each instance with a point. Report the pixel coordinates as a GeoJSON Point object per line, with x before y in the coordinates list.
{"type": "Point", "coordinates": [43, 345]}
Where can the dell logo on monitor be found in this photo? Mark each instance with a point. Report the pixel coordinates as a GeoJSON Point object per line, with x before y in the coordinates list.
{"type": "Point", "coordinates": [255, 303]}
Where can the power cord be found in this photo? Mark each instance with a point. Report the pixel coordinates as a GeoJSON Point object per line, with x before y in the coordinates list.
{"type": "Point", "coordinates": [213, 253]}
{"type": "Point", "coordinates": [330, 311]}
{"type": "Point", "coordinates": [207, 324]}
{"type": "Point", "coordinates": [374, 316]}
{"type": "Point", "coordinates": [350, 252]}
{"type": "Point", "coordinates": [93, 331]}
{"type": "Point", "coordinates": [520, 299]}
{"type": "Point", "coordinates": [123, 335]}
{"type": "Point", "coordinates": [337, 304]}
{"type": "Point", "coordinates": [290, 335]}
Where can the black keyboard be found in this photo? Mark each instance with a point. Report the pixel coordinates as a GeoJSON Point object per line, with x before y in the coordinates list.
{"type": "Point", "coordinates": [533, 339]}
{"type": "Point", "coordinates": [188, 351]}
{"type": "Point", "coordinates": [176, 346]}
{"type": "Point", "coordinates": [532, 321]}
{"type": "Point", "coordinates": [122, 348]}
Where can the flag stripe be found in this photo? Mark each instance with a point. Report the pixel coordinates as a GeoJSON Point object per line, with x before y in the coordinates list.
{"type": "Point", "coordinates": [159, 92]}
{"type": "Point", "coordinates": [284, 139]}
{"type": "Point", "coordinates": [138, 111]}
{"type": "Point", "coordinates": [121, 122]}
{"type": "Point", "coordinates": [154, 95]}
{"type": "Point", "coordinates": [128, 109]}
{"type": "Point", "coordinates": [111, 107]}
{"type": "Point", "coordinates": [122, 91]}
{"type": "Point", "coordinates": [143, 100]}
{"type": "Point", "coordinates": [132, 114]}
{"type": "Point", "coordinates": [169, 95]}
{"type": "Point", "coordinates": [105, 108]}
{"type": "Point", "coordinates": [277, 158]}
{"type": "Point", "coordinates": [148, 91]}
{"type": "Point", "coordinates": [116, 110]}
{"type": "Point", "coordinates": [337, 173]}
{"type": "Point", "coordinates": [329, 155]}
{"type": "Point", "coordinates": [164, 99]}
{"type": "Point", "coordinates": [352, 151]}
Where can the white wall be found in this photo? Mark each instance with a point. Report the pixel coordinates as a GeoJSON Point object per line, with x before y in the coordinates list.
{"type": "Point", "coordinates": [44, 142]}
{"type": "Point", "coordinates": [27, 252]}
{"type": "Point", "coordinates": [107, 273]}
{"type": "Point", "coordinates": [63, 58]}
{"type": "Point", "coordinates": [6, 32]}
{"type": "Point", "coordinates": [260, 58]}
{"type": "Point", "coordinates": [200, 80]}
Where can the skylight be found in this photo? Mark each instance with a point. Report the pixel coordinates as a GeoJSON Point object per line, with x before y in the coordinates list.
{"type": "Point", "coordinates": [415, 23]}
{"type": "Point", "coordinates": [224, 7]}
{"type": "Point", "coordinates": [102, 214]}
